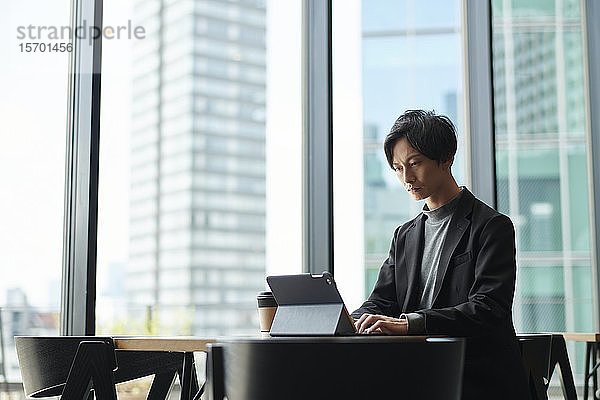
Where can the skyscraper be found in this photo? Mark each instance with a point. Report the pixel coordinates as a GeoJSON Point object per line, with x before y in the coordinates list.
{"type": "Point", "coordinates": [197, 208]}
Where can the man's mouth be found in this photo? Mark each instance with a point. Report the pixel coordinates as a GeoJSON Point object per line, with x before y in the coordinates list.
{"type": "Point", "coordinates": [414, 189]}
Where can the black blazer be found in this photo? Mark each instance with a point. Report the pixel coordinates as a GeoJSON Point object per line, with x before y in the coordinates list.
{"type": "Point", "coordinates": [473, 294]}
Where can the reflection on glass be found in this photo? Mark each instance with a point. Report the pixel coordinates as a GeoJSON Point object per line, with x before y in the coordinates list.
{"type": "Point", "coordinates": [541, 159]}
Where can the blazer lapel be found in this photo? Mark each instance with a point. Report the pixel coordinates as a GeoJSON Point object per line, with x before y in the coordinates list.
{"type": "Point", "coordinates": [414, 253]}
{"type": "Point", "coordinates": [458, 226]}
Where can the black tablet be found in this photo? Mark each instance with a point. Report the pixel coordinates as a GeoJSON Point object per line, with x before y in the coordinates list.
{"type": "Point", "coordinates": [309, 305]}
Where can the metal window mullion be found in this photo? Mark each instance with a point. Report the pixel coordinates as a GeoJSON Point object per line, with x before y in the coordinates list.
{"type": "Point", "coordinates": [565, 202]}
{"type": "Point", "coordinates": [317, 137]}
{"type": "Point", "coordinates": [479, 94]}
{"type": "Point", "coordinates": [592, 39]}
{"type": "Point", "coordinates": [81, 187]}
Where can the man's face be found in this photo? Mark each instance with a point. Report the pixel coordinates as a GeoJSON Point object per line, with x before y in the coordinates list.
{"type": "Point", "coordinates": [422, 177]}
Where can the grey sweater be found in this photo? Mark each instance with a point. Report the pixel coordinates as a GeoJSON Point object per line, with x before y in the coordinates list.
{"type": "Point", "coordinates": [437, 223]}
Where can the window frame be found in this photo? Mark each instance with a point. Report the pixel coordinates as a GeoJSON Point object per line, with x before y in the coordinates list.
{"type": "Point", "coordinates": [481, 152]}
{"type": "Point", "coordinates": [317, 154]}
{"type": "Point", "coordinates": [78, 297]}
{"type": "Point", "coordinates": [591, 10]}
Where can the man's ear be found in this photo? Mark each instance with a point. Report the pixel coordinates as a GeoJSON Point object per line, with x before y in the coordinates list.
{"type": "Point", "coordinates": [448, 164]}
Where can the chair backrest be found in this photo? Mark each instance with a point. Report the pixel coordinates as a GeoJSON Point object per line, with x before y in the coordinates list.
{"type": "Point", "coordinates": [536, 351]}
{"type": "Point", "coordinates": [45, 362]}
{"type": "Point", "coordinates": [352, 367]}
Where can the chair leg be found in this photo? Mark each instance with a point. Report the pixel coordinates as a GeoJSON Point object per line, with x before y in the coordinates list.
{"type": "Point", "coordinates": [161, 385]}
{"type": "Point", "coordinates": [586, 380]}
{"type": "Point", "coordinates": [215, 373]}
{"type": "Point", "coordinates": [595, 370]}
{"type": "Point", "coordinates": [559, 355]}
{"type": "Point", "coordinates": [187, 378]}
{"type": "Point", "coordinates": [92, 366]}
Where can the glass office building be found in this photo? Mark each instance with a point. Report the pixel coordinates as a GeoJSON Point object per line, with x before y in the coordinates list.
{"type": "Point", "coordinates": [197, 203]}
{"type": "Point", "coordinates": [542, 155]}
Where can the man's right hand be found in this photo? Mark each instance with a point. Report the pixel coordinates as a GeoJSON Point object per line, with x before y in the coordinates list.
{"type": "Point", "coordinates": [375, 323]}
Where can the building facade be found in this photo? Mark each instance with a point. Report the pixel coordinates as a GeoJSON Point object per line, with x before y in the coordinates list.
{"type": "Point", "coordinates": [541, 159]}
{"type": "Point", "coordinates": [197, 201]}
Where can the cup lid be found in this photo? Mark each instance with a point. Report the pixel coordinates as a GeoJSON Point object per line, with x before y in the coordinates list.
{"type": "Point", "coordinates": [266, 299]}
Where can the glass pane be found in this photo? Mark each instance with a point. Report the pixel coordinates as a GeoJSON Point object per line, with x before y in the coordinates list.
{"type": "Point", "coordinates": [200, 172]}
{"type": "Point", "coordinates": [541, 160]}
{"type": "Point", "coordinates": [33, 115]}
{"type": "Point", "coordinates": [388, 57]}
{"type": "Point", "coordinates": [384, 15]}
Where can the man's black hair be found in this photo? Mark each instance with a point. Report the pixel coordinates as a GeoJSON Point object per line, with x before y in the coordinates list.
{"type": "Point", "coordinates": [432, 135]}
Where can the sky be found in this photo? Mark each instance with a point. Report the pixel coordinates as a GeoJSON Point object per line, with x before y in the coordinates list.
{"type": "Point", "coordinates": [33, 98]}
{"type": "Point", "coordinates": [33, 106]}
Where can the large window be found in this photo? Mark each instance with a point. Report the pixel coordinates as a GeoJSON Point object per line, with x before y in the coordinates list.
{"type": "Point", "coordinates": [33, 115]}
{"type": "Point", "coordinates": [388, 57]}
{"type": "Point", "coordinates": [200, 189]}
{"type": "Point", "coordinates": [542, 157]}
{"type": "Point", "coordinates": [200, 186]}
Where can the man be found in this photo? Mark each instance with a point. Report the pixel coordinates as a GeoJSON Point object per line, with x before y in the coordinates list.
{"type": "Point", "coordinates": [451, 270]}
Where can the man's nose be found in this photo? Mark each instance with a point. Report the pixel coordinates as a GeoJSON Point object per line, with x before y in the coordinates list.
{"type": "Point", "coordinates": [408, 177]}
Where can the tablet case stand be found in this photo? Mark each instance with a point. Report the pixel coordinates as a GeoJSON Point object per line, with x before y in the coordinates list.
{"type": "Point", "coordinates": [311, 319]}
{"type": "Point", "coordinates": [309, 305]}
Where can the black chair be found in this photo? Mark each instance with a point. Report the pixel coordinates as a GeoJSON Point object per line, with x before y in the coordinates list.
{"type": "Point", "coordinates": [541, 354]}
{"type": "Point", "coordinates": [591, 370]}
{"type": "Point", "coordinates": [73, 366]}
{"type": "Point", "coordinates": [336, 368]}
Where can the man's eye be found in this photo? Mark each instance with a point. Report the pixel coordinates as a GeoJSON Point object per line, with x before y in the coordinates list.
{"type": "Point", "coordinates": [412, 164]}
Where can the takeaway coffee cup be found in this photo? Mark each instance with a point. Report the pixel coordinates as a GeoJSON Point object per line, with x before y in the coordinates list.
{"type": "Point", "coordinates": [266, 310]}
